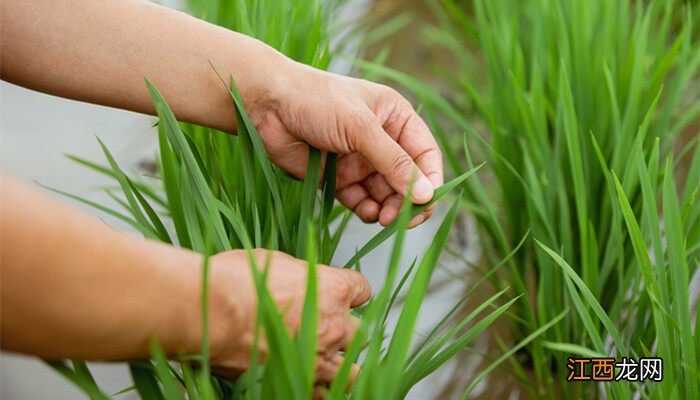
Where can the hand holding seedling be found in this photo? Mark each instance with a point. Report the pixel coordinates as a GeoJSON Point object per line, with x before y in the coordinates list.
{"type": "Point", "coordinates": [339, 291]}
{"type": "Point", "coordinates": [383, 144]}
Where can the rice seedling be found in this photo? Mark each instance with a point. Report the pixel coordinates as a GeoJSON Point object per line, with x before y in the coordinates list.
{"type": "Point", "coordinates": [210, 223]}
{"type": "Point", "coordinates": [659, 320]}
{"type": "Point", "coordinates": [574, 90]}
{"type": "Point", "coordinates": [299, 29]}
{"type": "Point", "coordinates": [198, 203]}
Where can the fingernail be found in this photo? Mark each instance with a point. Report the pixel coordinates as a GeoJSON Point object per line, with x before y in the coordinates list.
{"type": "Point", "coordinates": [416, 221]}
{"type": "Point", "coordinates": [422, 190]}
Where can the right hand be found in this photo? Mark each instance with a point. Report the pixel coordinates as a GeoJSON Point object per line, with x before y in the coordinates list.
{"type": "Point", "coordinates": [381, 141]}
{"type": "Point", "coordinates": [233, 305]}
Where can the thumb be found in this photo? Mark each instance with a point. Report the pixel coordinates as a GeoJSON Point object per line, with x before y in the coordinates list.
{"type": "Point", "coordinates": [392, 161]}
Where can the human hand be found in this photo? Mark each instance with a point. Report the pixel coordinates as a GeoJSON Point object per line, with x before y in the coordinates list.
{"type": "Point", "coordinates": [381, 141]}
{"type": "Point", "coordinates": [234, 307]}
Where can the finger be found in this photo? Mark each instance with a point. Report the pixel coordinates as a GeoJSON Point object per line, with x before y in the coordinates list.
{"type": "Point", "coordinates": [333, 334]}
{"type": "Point", "coordinates": [390, 209]}
{"type": "Point", "coordinates": [352, 168]}
{"type": "Point", "coordinates": [226, 373]}
{"type": "Point", "coordinates": [337, 333]}
{"type": "Point", "coordinates": [354, 372]}
{"type": "Point", "coordinates": [352, 195]}
{"type": "Point", "coordinates": [420, 218]}
{"type": "Point", "coordinates": [378, 187]}
{"type": "Point", "coordinates": [320, 392]}
{"type": "Point", "coordinates": [368, 210]}
{"type": "Point", "coordinates": [328, 366]}
{"type": "Point", "coordinates": [430, 163]}
{"type": "Point", "coordinates": [351, 327]}
{"type": "Point", "coordinates": [360, 290]}
{"type": "Point", "coordinates": [357, 198]}
{"type": "Point", "coordinates": [390, 159]}
{"type": "Point", "coordinates": [414, 136]}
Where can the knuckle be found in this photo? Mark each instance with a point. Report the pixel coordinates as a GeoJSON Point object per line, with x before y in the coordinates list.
{"type": "Point", "coordinates": [361, 283]}
{"type": "Point", "coordinates": [343, 289]}
{"type": "Point", "coordinates": [438, 151]}
{"type": "Point", "coordinates": [335, 332]}
{"type": "Point", "coordinates": [389, 92]}
{"type": "Point", "coordinates": [357, 129]}
{"type": "Point", "coordinates": [335, 284]}
{"type": "Point", "coordinates": [400, 163]}
{"type": "Point", "coordinates": [401, 104]}
{"type": "Point", "coordinates": [261, 256]}
{"type": "Point", "coordinates": [257, 253]}
{"type": "Point", "coordinates": [400, 109]}
{"type": "Point", "coordinates": [265, 257]}
{"type": "Point", "coordinates": [326, 367]}
{"type": "Point", "coordinates": [366, 120]}
{"type": "Point", "coordinates": [404, 105]}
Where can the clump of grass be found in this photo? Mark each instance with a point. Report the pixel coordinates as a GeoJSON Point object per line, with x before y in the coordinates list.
{"type": "Point", "coordinates": [299, 29]}
{"type": "Point", "coordinates": [574, 90]}
{"type": "Point", "coordinates": [209, 223]}
{"type": "Point", "coordinates": [201, 174]}
{"type": "Point", "coordinates": [221, 192]}
{"type": "Point", "coordinates": [659, 320]}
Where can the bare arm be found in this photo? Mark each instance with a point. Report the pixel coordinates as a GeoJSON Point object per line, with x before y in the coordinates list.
{"type": "Point", "coordinates": [100, 51]}
{"type": "Point", "coordinates": [72, 287]}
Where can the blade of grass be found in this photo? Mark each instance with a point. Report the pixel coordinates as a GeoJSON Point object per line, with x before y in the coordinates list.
{"type": "Point", "coordinates": [144, 380]}
{"type": "Point", "coordinates": [390, 229]}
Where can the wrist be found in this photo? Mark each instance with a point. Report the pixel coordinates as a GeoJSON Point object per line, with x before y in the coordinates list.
{"type": "Point", "coordinates": [263, 75]}
{"type": "Point", "coordinates": [226, 311]}
{"type": "Point", "coordinates": [179, 277]}
{"type": "Point", "coordinates": [283, 79]}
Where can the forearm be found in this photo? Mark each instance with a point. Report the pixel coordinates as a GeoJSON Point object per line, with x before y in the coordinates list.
{"type": "Point", "coordinates": [74, 288]}
{"type": "Point", "coordinates": [100, 52]}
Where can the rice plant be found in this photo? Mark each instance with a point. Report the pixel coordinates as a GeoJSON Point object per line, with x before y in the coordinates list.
{"type": "Point", "coordinates": [209, 222]}
{"type": "Point", "coordinates": [573, 90]}
{"type": "Point", "coordinates": [658, 304]}
{"type": "Point", "coordinates": [298, 29]}
{"type": "Point", "coordinates": [216, 192]}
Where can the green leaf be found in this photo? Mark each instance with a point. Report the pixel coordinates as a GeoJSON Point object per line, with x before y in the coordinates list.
{"type": "Point", "coordinates": [171, 389]}
{"type": "Point", "coordinates": [145, 380]}
{"type": "Point", "coordinates": [534, 335]}
{"type": "Point", "coordinates": [390, 229]}
{"type": "Point", "coordinates": [83, 381]}
{"type": "Point", "coordinates": [397, 352]}
{"type": "Point", "coordinates": [308, 199]}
